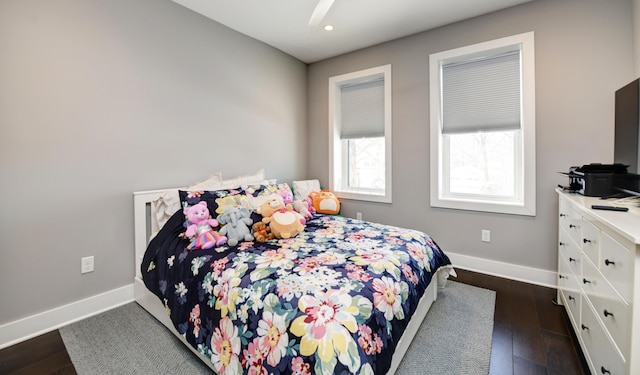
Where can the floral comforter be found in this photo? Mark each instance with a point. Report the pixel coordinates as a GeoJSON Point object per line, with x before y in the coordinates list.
{"type": "Point", "coordinates": [333, 300]}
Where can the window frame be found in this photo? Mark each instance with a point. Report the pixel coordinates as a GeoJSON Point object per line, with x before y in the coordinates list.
{"type": "Point", "coordinates": [526, 203]}
{"type": "Point", "coordinates": [338, 155]}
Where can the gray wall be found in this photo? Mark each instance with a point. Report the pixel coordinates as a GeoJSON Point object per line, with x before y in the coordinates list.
{"type": "Point", "coordinates": [583, 54]}
{"type": "Point", "coordinates": [99, 99]}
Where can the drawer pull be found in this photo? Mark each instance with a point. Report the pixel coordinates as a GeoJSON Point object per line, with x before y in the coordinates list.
{"type": "Point", "coordinates": [562, 276]}
{"type": "Point", "coordinates": [604, 370]}
{"type": "Point", "coordinates": [584, 240]}
{"type": "Point", "coordinates": [607, 313]}
{"type": "Point", "coordinates": [562, 244]}
{"type": "Point", "coordinates": [585, 281]}
{"type": "Point", "coordinates": [571, 298]}
{"type": "Point", "coordinates": [584, 327]}
{"type": "Point", "coordinates": [572, 226]}
{"type": "Point", "coordinates": [571, 259]}
{"type": "Point", "coordinates": [563, 215]}
{"type": "Point", "coordinates": [608, 262]}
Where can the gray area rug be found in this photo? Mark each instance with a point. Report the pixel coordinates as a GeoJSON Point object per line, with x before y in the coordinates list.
{"type": "Point", "coordinates": [127, 340]}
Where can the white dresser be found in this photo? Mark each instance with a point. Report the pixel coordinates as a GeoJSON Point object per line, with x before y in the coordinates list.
{"type": "Point", "coordinates": [599, 281]}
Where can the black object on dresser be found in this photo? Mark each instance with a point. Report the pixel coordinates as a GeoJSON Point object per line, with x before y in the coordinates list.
{"type": "Point", "coordinates": [595, 179]}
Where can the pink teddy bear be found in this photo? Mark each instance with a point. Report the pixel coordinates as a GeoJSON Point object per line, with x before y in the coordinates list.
{"type": "Point", "coordinates": [287, 196]}
{"type": "Point", "coordinates": [200, 227]}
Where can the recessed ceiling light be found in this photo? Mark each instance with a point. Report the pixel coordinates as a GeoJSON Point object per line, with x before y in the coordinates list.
{"type": "Point", "coordinates": [328, 27]}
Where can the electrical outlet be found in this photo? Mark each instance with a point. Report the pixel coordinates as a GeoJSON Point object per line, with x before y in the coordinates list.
{"type": "Point", "coordinates": [86, 264]}
{"type": "Point", "coordinates": [486, 235]}
{"type": "Point", "coordinates": [359, 215]}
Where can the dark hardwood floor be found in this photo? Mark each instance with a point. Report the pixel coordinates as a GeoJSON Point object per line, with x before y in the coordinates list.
{"type": "Point", "coordinates": [44, 354]}
{"type": "Point", "coordinates": [530, 336]}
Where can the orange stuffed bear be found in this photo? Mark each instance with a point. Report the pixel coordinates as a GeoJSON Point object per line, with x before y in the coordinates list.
{"type": "Point", "coordinates": [325, 202]}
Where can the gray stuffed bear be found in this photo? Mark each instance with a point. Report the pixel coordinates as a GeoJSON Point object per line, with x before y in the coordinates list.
{"type": "Point", "coordinates": [236, 222]}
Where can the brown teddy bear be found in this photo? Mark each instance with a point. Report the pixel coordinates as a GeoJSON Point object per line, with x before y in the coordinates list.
{"type": "Point", "coordinates": [262, 232]}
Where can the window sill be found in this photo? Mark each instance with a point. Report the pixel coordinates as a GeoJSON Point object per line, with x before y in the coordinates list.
{"type": "Point", "coordinates": [380, 198]}
{"type": "Point", "coordinates": [509, 208]}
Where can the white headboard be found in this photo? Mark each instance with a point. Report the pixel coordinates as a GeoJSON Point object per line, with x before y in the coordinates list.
{"type": "Point", "coordinates": [141, 223]}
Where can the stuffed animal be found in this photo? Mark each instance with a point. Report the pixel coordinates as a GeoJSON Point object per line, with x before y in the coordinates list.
{"type": "Point", "coordinates": [304, 207]}
{"type": "Point", "coordinates": [262, 232]}
{"type": "Point", "coordinates": [236, 222]}
{"type": "Point", "coordinates": [200, 227]}
{"type": "Point", "coordinates": [284, 222]}
{"type": "Point", "coordinates": [325, 202]}
{"type": "Point", "coordinates": [287, 196]}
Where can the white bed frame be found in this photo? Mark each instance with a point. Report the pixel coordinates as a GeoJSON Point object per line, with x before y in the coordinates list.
{"type": "Point", "coordinates": [150, 302]}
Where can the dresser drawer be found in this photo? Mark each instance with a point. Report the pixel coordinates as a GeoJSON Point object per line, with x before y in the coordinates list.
{"type": "Point", "coordinates": [616, 265]}
{"type": "Point", "coordinates": [570, 291]}
{"type": "Point", "coordinates": [570, 220]}
{"type": "Point", "coordinates": [590, 241]}
{"type": "Point", "coordinates": [612, 310]}
{"type": "Point", "coordinates": [601, 351]}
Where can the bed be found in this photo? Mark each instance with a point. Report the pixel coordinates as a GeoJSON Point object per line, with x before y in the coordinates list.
{"type": "Point", "coordinates": [343, 296]}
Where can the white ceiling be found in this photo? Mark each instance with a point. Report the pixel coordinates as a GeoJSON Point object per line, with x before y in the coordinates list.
{"type": "Point", "coordinates": [284, 24]}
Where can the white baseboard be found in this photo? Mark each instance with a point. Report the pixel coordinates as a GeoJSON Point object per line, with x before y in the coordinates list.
{"type": "Point", "coordinates": [23, 329]}
{"type": "Point", "coordinates": [506, 270]}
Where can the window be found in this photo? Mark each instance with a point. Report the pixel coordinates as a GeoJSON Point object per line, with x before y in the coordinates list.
{"type": "Point", "coordinates": [482, 126]}
{"type": "Point", "coordinates": [360, 135]}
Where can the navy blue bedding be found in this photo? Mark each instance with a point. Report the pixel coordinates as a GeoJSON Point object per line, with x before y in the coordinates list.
{"type": "Point", "coordinates": [335, 299]}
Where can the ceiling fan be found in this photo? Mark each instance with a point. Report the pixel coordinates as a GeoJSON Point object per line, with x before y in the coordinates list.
{"type": "Point", "coordinates": [320, 11]}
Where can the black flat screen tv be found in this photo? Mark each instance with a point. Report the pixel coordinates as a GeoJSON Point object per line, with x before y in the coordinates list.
{"type": "Point", "coordinates": [627, 133]}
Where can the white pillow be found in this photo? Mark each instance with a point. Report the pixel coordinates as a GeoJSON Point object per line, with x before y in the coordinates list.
{"type": "Point", "coordinates": [236, 182]}
{"type": "Point", "coordinates": [210, 183]}
{"type": "Point", "coordinates": [302, 189]}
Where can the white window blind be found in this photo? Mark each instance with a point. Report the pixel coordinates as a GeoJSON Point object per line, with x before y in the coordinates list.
{"type": "Point", "coordinates": [482, 94]}
{"type": "Point", "coordinates": [362, 110]}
